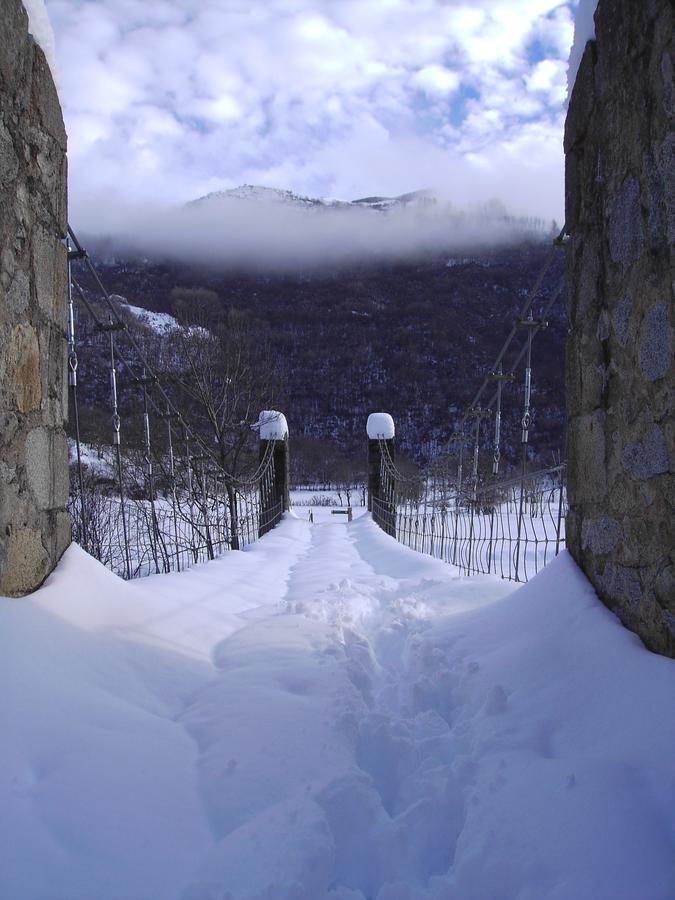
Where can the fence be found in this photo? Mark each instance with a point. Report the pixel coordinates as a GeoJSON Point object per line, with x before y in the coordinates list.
{"type": "Point", "coordinates": [169, 502]}
{"type": "Point", "coordinates": [511, 529]}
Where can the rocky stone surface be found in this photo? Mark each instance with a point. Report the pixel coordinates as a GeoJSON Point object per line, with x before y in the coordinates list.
{"type": "Point", "coordinates": [620, 211]}
{"type": "Point", "coordinates": [34, 525]}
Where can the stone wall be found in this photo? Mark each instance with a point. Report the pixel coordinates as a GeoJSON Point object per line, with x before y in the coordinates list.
{"type": "Point", "coordinates": [620, 194]}
{"type": "Point", "coordinates": [34, 525]}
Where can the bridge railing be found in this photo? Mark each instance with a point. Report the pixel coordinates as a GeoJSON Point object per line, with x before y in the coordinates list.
{"type": "Point", "coordinates": [170, 534]}
{"type": "Point", "coordinates": [482, 524]}
{"type": "Point", "coordinates": [167, 502]}
{"type": "Point", "coordinates": [511, 528]}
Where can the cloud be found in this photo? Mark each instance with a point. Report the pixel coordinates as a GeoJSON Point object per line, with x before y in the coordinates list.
{"type": "Point", "coordinates": [166, 101]}
{"type": "Point", "coordinates": [261, 228]}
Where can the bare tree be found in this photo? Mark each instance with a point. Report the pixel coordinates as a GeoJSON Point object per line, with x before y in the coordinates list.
{"type": "Point", "coordinates": [226, 376]}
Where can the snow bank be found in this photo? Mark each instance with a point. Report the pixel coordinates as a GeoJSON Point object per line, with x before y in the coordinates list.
{"type": "Point", "coordinates": [380, 425]}
{"type": "Point", "coordinates": [584, 31]}
{"type": "Point", "coordinates": [273, 425]}
{"type": "Point", "coordinates": [331, 716]}
{"type": "Point", "coordinates": [40, 27]}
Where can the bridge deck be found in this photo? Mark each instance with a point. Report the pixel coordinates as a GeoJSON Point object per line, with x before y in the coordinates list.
{"type": "Point", "coordinates": [329, 715]}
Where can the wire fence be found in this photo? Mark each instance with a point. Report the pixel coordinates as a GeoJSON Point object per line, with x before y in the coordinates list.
{"type": "Point", "coordinates": [163, 537]}
{"type": "Point", "coordinates": [511, 529]}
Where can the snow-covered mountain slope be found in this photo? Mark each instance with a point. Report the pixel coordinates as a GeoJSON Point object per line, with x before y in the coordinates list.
{"type": "Point", "coordinates": [330, 716]}
{"type": "Point", "coordinates": [415, 199]}
{"type": "Point", "coordinates": [252, 193]}
{"type": "Point", "coordinates": [259, 194]}
{"type": "Point", "coordinates": [156, 321]}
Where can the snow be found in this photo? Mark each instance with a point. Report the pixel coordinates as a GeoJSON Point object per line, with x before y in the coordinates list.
{"type": "Point", "coordinates": [273, 425]}
{"type": "Point", "coordinates": [259, 194]}
{"type": "Point", "coordinates": [330, 716]}
{"type": "Point", "coordinates": [99, 460]}
{"type": "Point", "coordinates": [40, 27]}
{"type": "Point", "coordinates": [380, 425]}
{"type": "Point", "coordinates": [163, 323]}
{"type": "Point", "coordinates": [584, 31]}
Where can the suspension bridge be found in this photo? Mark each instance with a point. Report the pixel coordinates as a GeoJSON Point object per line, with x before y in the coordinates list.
{"type": "Point", "coordinates": [164, 499]}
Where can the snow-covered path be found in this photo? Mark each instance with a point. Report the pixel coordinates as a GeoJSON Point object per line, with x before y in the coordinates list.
{"type": "Point", "coordinates": [330, 716]}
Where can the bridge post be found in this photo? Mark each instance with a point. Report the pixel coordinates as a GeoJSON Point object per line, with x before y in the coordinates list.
{"type": "Point", "coordinates": [275, 495]}
{"type": "Point", "coordinates": [381, 500]}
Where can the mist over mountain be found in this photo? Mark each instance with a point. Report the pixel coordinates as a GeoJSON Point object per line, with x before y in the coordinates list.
{"type": "Point", "coordinates": [262, 228]}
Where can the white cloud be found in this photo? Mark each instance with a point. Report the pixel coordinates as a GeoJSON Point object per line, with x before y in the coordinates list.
{"type": "Point", "coordinates": [436, 80]}
{"type": "Point", "coordinates": [167, 100]}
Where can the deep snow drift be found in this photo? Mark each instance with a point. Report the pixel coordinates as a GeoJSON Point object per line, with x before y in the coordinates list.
{"type": "Point", "coordinates": [329, 716]}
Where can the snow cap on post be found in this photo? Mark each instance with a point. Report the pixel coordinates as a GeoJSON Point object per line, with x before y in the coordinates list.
{"type": "Point", "coordinates": [273, 425]}
{"type": "Point", "coordinates": [380, 426]}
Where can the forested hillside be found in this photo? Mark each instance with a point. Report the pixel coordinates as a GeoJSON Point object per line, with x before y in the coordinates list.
{"type": "Point", "coordinates": [411, 338]}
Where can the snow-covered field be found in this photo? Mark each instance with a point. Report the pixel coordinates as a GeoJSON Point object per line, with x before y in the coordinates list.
{"type": "Point", "coordinates": [331, 716]}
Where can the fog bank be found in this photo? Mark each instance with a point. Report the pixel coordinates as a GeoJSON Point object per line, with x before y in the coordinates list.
{"type": "Point", "coordinates": [281, 231]}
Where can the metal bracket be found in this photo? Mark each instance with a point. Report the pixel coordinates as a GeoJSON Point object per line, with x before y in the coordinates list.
{"type": "Point", "coordinates": [531, 323]}
{"type": "Point", "coordinates": [499, 376]}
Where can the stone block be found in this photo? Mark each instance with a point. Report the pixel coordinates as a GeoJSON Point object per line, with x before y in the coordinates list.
{"type": "Point", "coordinates": [9, 424]}
{"type": "Point", "coordinates": [44, 270]}
{"type": "Point", "coordinates": [61, 473]}
{"type": "Point", "coordinates": [62, 533]}
{"type": "Point", "coordinates": [24, 366]}
{"type": "Point", "coordinates": [587, 470]}
{"type": "Point", "coordinates": [625, 232]}
{"type": "Point", "coordinates": [621, 316]}
{"type": "Point", "coordinates": [18, 294]}
{"type": "Point", "coordinates": [622, 584]}
{"type": "Point", "coordinates": [600, 535]}
{"type": "Point", "coordinates": [38, 469]}
{"type": "Point", "coordinates": [647, 457]}
{"type": "Point", "coordinates": [664, 586]}
{"type": "Point", "coordinates": [26, 562]}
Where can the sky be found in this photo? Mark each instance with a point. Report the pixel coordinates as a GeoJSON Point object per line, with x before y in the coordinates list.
{"type": "Point", "coordinates": [168, 100]}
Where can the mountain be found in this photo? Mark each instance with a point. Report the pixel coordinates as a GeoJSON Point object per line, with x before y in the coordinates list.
{"type": "Point", "coordinates": [413, 338]}
{"type": "Point", "coordinates": [254, 193]}
{"type": "Point", "coordinates": [420, 201]}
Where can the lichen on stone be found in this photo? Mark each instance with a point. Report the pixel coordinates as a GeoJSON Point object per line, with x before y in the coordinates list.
{"type": "Point", "coordinates": [656, 343]}
{"type": "Point", "coordinates": [600, 535]}
{"type": "Point", "coordinates": [648, 457]}
{"type": "Point", "coordinates": [621, 582]}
